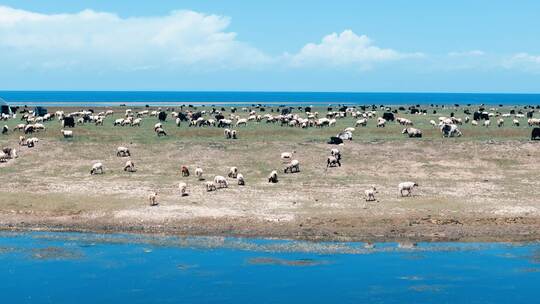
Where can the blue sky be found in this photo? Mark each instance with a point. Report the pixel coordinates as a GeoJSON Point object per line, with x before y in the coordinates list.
{"type": "Point", "coordinates": [405, 46]}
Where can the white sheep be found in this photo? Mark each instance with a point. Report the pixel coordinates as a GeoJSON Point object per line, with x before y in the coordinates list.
{"type": "Point", "coordinates": [370, 194]}
{"type": "Point", "coordinates": [240, 179]}
{"type": "Point", "coordinates": [381, 122]}
{"type": "Point", "coordinates": [361, 122]}
{"type": "Point", "coordinates": [66, 133]}
{"type": "Point", "coordinates": [242, 121]}
{"type": "Point", "coordinates": [122, 152]}
{"type": "Point", "coordinates": [210, 186]}
{"type": "Point", "coordinates": [183, 188]}
{"type": "Point", "coordinates": [152, 198]}
{"type": "Point", "coordinates": [31, 142]}
{"type": "Point", "coordinates": [227, 133]}
{"type": "Point", "coordinates": [199, 173]}
{"type": "Point", "coordinates": [293, 166]}
{"type": "Point", "coordinates": [332, 161]}
{"type": "Point", "coordinates": [474, 123]}
{"type": "Point", "coordinates": [487, 123]}
{"type": "Point", "coordinates": [273, 177]}
{"type": "Point", "coordinates": [515, 122]}
{"type": "Point", "coordinates": [129, 166]}
{"type": "Point", "coordinates": [233, 172]}
{"type": "Point", "coordinates": [406, 186]}
{"type": "Point", "coordinates": [412, 132]}
{"type": "Point", "coordinates": [160, 132]}
{"type": "Point", "coordinates": [97, 167]}
{"type": "Point", "coordinates": [220, 181]}
{"type": "Point", "coordinates": [500, 122]}
{"type": "Point", "coordinates": [433, 123]}
{"type": "Point", "coordinates": [285, 156]}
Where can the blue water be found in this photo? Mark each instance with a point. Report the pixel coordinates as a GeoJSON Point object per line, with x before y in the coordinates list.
{"type": "Point", "coordinates": [300, 98]}
{"type": "Point", "coordinates": [92, 268]}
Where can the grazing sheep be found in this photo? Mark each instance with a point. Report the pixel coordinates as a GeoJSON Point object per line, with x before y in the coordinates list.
{"type": "Point", "coordinates": [122, 152]}
{"type": "Point", "coordinates": [233, 172]}
{"type": "Point", "coordinates": [210, 186]}
{"type": "Point", "coordinates": [199, 173]}
{"type": "Point", "coordinates": [474, 123]}
{"type": "Point", "coordinates": [158, 126]}
{"type": "Point", "coordinates": [500, 122]}
{"type": "Point", "coordinates": [450, 131]}
{"type": "Point", "coordinates": [335, 152]}
{"type": "Point", "coordinates": [381, 122]}
{"type": "Point", "coordinates": [515, 123]}
{"type": "Point", "coordinates": [31, 142]}
{"type": "Point", "coordinates": [66, 133]}
{"type": "Point", "coordinates": [332, 161]}
{"type": "Point", "coordinates": [412, 132]}
{"type": "Point", "coordinates": [240, 179]}
{"type": "Point", "coordinates": [407, 186]}
{"type": "Point", "coordinates": [273, 178]}
{"type": "Point", "coordinates": [185, 171]}
{"type": "Point", "coordinates": [361, 122]}
{"type": "Point", "coordinates": [293, 166]}
{"type": "Point", "coordinates": [221, 182]}
{"type": "Point", "coordinates": [487, 123]}
{"type": "Point", "coordinates": [285, 156]}
{"type": "Point", "coordinates": [152, 198]}
{"type": "Point", "coordinates": [233, 134]}
{"type": "Point", "coordinates": [370, 194]}
{"type": "Point", "coordinates": [9, 153]}
{"type": "Point", "coordinates": [242, 121]}
{"type": "Point", "coordinates": [178, 121]}
{"type": "Point", "coordinates": [136, 122]}
{"type": "Point", "coordinates": [5, 129]}
{"type": "Point", "coordinates": [97, 167]}
{"type": "Point", "coordinates": [22, 141]}
{"type": "Point", "coordinates": [227, 133]}
{"type": "Point", "coordinates": [160, 132]}
{"type": "Point", "coordinates": [432, 122]}
{"type": "Point", "coordinates": [129, 166]}
{"type": "Point", "coordinates": [183, 189]}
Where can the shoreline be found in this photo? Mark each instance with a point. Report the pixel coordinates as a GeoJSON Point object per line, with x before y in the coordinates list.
{"type": "Point", "coordinates": [425, 229]}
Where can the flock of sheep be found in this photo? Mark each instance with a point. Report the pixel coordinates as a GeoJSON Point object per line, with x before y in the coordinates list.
{"type": "Point", "coordinates": [448, 126]}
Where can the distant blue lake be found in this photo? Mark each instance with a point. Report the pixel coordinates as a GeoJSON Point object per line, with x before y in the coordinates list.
{"type": "Point", "coordinates": [94, 98]}
{"type": "Point", "coordinates": [93, 268]}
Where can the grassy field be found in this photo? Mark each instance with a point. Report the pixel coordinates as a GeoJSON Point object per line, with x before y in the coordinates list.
{"type": "Point", "coordinates": [488, 172]}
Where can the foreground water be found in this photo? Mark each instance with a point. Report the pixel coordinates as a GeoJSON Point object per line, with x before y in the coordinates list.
{"type": "Point", "coordinates": [93, 268]}
{"type": "Point", "coordinates": [102, 98]}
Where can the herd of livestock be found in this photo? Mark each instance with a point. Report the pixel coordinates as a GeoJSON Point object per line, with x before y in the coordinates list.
{"type": "Point", "coordinates": [303, 117]}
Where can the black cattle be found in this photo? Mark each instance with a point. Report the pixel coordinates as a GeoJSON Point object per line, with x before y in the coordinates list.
{"type": "Point", "coordinates": [69, 121]}
{"type": "Point", "coordinates": [414, 111]}
{"type": "Point", "coordinates": [182, 116]}
{"type": "Point", "coordinates": [285, 111]}
{"type": "Point", "coordinates": [452, 114]}
{"type": "Point", "coordinates": [530, 114]}
{"type": "Point", "coordinates": [476, 116]}
{"type": "Point", "coordinates": [196, 115]}
{"type": "Point", "coordinates": [162, 116]}
{"type": "Point", "coordinates": [329, 109]}
{"type": "Point", "coordinates": [388, 116]}
{"type": "Point", "coordinates": [466, 111]}
{"type": "Point", "coordinates": [335, 140]}
{"type": "Point", "coordinates": [535, 134]}
{"type": "Point", "coordinates": [219, 117]}
{"type": "Point", "coordinates": [484, 116]}
{"type": "Point", "coordinates": [343, 109]}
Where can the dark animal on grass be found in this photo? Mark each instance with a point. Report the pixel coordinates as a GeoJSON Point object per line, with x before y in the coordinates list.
{"type": "Point", "coordinates": [535, 134]}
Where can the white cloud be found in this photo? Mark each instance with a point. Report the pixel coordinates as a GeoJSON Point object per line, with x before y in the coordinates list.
{"type": "Point", "coordinates": [346, 49]}
{"type": "Point", "coordinates": [473, 53]}
{"type": "Point", "coordinates": [523, 61]}
{"type": "Point", "coordinates": [95, 40]}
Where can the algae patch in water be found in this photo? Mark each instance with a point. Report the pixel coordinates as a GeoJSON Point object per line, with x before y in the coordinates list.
{"type": "Point", "coordinates": [284, 262]}
{"type": "Point", "coordinates": [55, 253]}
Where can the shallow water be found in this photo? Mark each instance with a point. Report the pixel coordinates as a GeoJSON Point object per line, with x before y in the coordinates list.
{"type": "Point", "coordinates": [94, 268]}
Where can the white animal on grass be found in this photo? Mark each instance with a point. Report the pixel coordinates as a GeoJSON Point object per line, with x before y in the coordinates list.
{"type": "Point", "coordinates": [406, 186]}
